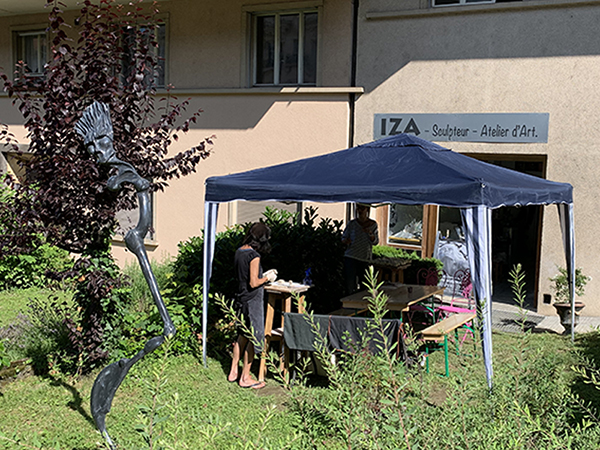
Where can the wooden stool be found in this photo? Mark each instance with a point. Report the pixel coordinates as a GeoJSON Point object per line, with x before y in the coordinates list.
{"type": "Point", "coordinates": [278, 291]}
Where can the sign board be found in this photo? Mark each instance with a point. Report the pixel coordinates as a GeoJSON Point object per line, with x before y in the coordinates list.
{"type": "Point", "coordinates": [493, 127]}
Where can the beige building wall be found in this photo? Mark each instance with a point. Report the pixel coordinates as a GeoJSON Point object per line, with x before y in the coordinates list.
{"type": "Point", "coordinates": [532, 56]}
{"type": "Point", "coordinates": [209, 61]}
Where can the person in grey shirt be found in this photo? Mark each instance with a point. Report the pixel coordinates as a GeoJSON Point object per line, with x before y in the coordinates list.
{"type": "Point", "coordinates": [360, 236]}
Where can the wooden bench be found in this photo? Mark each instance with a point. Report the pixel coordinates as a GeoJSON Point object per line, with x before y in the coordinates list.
{"type": "Point", "coordinates": [439, 332]}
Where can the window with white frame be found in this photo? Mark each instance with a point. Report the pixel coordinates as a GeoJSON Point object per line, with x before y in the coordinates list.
{"type": "Point", "coordinates": [467, 2]}
{"type": "Point", "coordinates": [247, 211]}
{"type": "Point", "coordinates": [405, 225]}
{"type": "Point", "coordinates": [285, 48]}
{"type": "Point", "coordinates": [32, 50]}
{"type": "Point", "coordinates": [155, 37]}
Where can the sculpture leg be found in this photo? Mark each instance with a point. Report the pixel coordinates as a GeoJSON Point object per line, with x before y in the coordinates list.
{"type": "Point", "coordinates": [111, 377]}
{"type": "Point", "coordinates": [109, 380]}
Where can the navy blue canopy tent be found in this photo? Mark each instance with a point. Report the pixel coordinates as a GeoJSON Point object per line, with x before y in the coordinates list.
{"type": "Point", "coordinates": [407, 170]}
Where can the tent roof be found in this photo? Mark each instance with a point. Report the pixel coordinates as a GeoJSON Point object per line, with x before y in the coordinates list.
{"type": "Point", "coordinates": [398, 169]}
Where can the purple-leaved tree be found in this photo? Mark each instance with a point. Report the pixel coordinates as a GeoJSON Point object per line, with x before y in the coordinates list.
{"type": "Point", "coordinates": [108, 54]}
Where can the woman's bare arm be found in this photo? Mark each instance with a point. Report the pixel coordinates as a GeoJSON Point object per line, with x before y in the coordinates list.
{"type": "Point", "coordinates": [254, 280]}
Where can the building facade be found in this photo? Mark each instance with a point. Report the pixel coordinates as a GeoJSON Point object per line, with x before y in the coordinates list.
{"type": "Point", "coordinates": [509, 82]}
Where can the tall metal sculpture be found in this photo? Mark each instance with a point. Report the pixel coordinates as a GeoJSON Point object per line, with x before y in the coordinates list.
{"type": "Point", "coordinates": [95, 127]}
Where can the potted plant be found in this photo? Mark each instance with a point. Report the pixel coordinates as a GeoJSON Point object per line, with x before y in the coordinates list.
{"type": "Point", "coordinates": [562, 303]}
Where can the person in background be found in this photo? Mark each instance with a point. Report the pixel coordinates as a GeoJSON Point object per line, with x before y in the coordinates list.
{"type": "Point", "coordinates": [249, 304]}
{"type": "Point", "coordinates": [360, 236]}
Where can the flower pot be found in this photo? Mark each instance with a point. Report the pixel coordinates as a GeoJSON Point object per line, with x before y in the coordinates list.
{"type": "Point", "coordinates": [564, 312]}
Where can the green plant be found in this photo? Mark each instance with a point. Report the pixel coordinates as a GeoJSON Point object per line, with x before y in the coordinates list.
{"type": "Point", "coordinates": [141, 298]}
{"type": "Point", "coordinates": [153, 417]}
{"type": "Point", "coordinates": [517, 283]}
{"type": "Point", "coordinates": [102, 301]}
{"type": "Point", "coordinates": [561, 286]}
{"type": "Point", "coordinates": [42, 335]}
{"type": "Point", "coordinates": [417, 262]}
{"type": "Point", "coordinates": [4, 358]}
{"type": "Point", "coordinates": [35, 268]}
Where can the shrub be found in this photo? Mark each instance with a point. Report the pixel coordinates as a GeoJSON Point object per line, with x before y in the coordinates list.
{"type": "Point", "coordinates": [141, 297]}
{"type": "Point", "coordinates": [141, 319]}
{"type": "Point", "coordinates": [42, 335]}
{"type": "Point", "coordinates": [417, 263]}
{"type": "Point", "coordinates": [33, 269]}
{"type": "Point", "coordinates": [102, 297]}
{"type": "Point", "coordinates": [296, 247]}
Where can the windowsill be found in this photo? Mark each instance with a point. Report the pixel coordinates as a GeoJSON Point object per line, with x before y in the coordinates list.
{"type": "Point", "coordinates": [119, 241]}
{"type": "Point", "coordinates": [271, 90]}
{"type": "Point", "coordinates": [288, 90]}
{"type": "Point", "coordinates": [478, 9]}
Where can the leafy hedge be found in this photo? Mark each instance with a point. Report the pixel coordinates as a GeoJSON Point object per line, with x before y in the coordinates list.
{"type": "Point", "coordinates": [33, 269]}
{"type": "Point", "coordinates": [417, 263]}
{"type": "Point", "coordinates": [296, 247]}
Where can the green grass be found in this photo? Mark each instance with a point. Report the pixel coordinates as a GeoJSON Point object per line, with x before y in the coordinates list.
{"type": "Point", "coordinates": [531, 406]}
{"type": "Point", "coordinates": [13, 302]}
{"type": "Point", "coordinates": [46, 411]}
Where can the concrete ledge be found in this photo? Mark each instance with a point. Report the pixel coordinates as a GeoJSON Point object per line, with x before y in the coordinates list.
{"type": "Point", "coordinates": [479, 9]}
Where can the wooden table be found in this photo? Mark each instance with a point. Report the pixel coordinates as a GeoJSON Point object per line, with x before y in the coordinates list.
{"type": "Point", "coordinates": [278, 291]}
{"type": "Point", "coordinates": [388, 271]}
{"type": "Point", "coordinates": [400, 296]}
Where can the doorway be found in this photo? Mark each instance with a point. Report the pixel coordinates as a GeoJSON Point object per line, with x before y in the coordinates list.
{"type": "Point", "coordinates": [516, 233]}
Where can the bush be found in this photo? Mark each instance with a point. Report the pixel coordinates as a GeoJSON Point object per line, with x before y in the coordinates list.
{"type": "Point", "coordinates": [142, 321]}
{"type": "Point", "coordinates": [33, 269]}
{"type": "Point", "coordinates": [42, 335]}
{"type": "Point", "coordinates": [417, 263]}
{"type": "Point", "coordinates": [139, 290]}
{"type": "Point", "coordinates": [102, 300]}
{"type": "Point", "coordinates": [296, 247]}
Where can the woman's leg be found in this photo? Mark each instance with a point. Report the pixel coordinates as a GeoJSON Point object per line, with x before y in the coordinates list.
{"type": "Point", "coordinates": [246, 379]}
{"type": "Point", "coordinates": [238, 347]}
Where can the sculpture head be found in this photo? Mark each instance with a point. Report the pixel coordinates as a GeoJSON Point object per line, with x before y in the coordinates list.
{"type": "Point", "coordinates": [95, 127]}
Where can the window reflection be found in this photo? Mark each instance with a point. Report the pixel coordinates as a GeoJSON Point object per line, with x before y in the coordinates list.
{"type": "Point", "coordinates": [405, 224]}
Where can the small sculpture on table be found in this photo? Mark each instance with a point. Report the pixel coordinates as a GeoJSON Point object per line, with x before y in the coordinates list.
{"type": "Point", "coordinates": [95, 127]}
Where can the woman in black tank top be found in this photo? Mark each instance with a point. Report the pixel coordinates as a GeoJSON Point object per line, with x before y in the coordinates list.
{"type": "Point", "coordinates": [249, 302]}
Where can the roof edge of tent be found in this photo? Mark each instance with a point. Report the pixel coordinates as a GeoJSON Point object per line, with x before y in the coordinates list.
{"type": "Point", "coordinates": [465, 192]}
{"type": "Point", "coordinates": [389, 202]}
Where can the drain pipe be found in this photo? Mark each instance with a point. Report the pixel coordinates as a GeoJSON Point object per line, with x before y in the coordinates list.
{"type": "Point", "coordinates": [350, 207]}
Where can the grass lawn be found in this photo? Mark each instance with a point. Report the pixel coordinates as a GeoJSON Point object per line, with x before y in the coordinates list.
{"type": "Point", "coordinates": [209, 412]}
{"type": "Point", "coordinates": [533, 377]}
{"type": "Point", "coordinates": [15, 301]}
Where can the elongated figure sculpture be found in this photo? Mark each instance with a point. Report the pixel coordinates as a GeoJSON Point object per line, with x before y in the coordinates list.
{"type": "Point", "coordinates": [95, 127]}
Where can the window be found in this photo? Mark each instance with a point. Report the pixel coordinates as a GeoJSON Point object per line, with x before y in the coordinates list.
{"type": "Point", "coordinates": [155, 37]}
{"type": "Point", "coordinates": [32, 49]}
{"type": "Point", "coordinates": [405, 224]}
{"type": "Point", "coordinates": [246, 211]}
{"type": "Point", "coordinates": [467, 2]}
{"type": "Point", "coordinates": [285, 48]}
{"type": "Point", "coordinates": [450, 224]}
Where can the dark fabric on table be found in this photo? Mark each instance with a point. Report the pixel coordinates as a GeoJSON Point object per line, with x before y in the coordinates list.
{"type": "Point", "coordinates": [345, 333]}
{"type": "Point", "coordinates": [298, 333]}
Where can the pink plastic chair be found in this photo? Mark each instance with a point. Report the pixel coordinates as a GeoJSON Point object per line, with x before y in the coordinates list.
{"type": "Point", "coordinates": [456, 306]}
{"type": "Point", "coordinates": [428, 277]}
